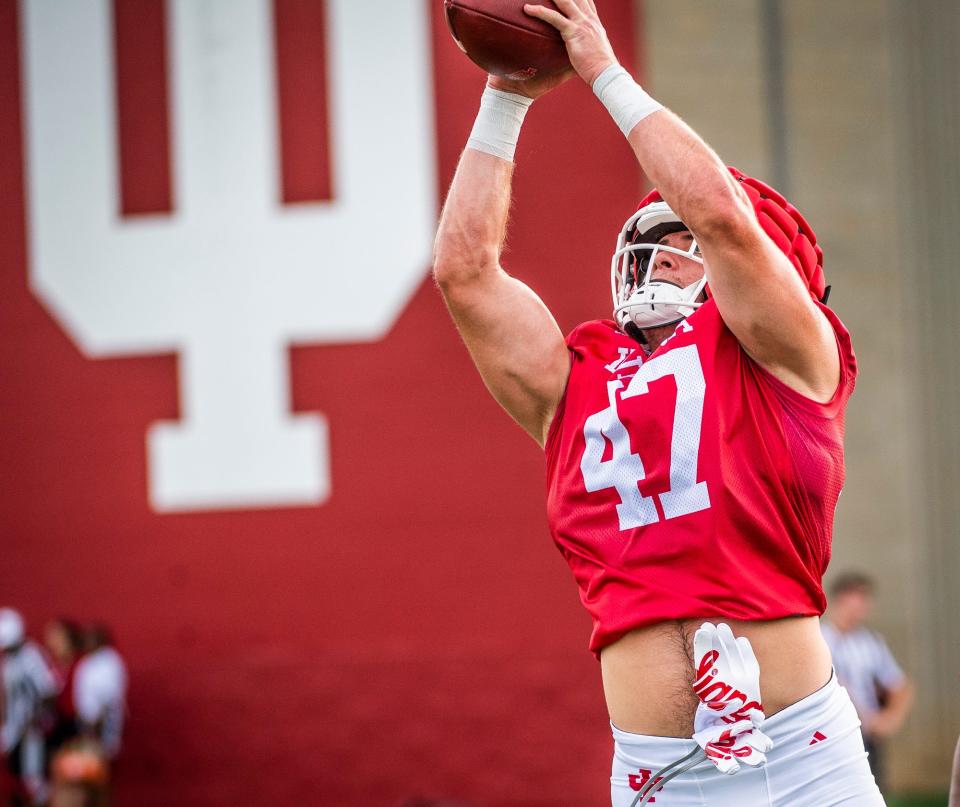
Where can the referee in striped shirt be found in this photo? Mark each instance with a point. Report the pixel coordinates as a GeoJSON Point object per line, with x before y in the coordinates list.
{"type": "Point", "coordinates": [878, 687]}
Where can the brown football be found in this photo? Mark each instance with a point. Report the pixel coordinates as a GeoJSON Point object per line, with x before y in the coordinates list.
{"type": "Point", "coordinates": [504, 41]}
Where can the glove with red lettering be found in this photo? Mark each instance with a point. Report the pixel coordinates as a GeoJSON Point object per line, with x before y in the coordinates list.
{"type": "Point", "coordinates": [729, 716]}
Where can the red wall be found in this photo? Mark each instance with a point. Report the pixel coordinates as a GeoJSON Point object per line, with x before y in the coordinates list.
{"type": "Point", "coordinates": [417, 634]}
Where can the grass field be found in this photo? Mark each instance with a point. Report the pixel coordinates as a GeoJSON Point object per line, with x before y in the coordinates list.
{"type": "Point", "coordinates": [918, 800]}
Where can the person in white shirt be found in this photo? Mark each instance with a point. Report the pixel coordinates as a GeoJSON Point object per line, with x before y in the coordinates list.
{"type": "Point", "coordinates": [29, 684]}
{"type": "Point", "coordinates": [878, 687]}
{"type": "Point", "coordinates": [100, 691]}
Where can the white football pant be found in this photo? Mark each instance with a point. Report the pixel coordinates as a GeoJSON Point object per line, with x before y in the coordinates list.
{"type": "Point", "coordinates": [817, 761]}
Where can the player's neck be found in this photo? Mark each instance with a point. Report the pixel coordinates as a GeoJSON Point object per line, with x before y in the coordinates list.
{"type": "Point", "coordinates": [657, 336]}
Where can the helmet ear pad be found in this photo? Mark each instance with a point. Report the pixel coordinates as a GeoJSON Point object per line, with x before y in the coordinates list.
{"type": "Point", "coordinates": [785, 226]}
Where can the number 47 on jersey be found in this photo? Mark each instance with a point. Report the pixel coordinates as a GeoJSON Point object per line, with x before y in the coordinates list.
{"type": "Point", "coordinates": [624, 470]}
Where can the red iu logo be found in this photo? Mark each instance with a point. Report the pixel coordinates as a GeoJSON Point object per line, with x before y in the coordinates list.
{"type": "Point", "coordinates": [639, 781]}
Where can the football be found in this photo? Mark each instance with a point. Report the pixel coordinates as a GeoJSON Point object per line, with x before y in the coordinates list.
{"type": "Point", "coordinates": [500, 38]}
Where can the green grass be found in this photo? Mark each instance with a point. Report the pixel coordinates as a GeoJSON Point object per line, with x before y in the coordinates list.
{"type": "Point", "coordinates": [917, 800]}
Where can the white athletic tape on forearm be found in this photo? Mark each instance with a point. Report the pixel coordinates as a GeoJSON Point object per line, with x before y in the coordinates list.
{"type": "Point", "coordinates": [624, 99]}
{"type": "Point", "coordinates": [498, 123]}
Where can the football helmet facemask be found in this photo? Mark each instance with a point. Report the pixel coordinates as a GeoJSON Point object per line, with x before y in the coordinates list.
{"type": "Point", "coordinates": [638, 299]}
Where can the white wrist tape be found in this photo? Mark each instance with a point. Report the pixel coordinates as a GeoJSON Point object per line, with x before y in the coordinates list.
{"type": "Point", "coordinates": [624, 99]}
{"type": "Point", "coordinates": [497, 128]}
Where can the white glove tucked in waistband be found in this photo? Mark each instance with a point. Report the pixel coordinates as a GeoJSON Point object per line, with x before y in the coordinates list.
{"type": "Point", "coordinates": [729, 716]}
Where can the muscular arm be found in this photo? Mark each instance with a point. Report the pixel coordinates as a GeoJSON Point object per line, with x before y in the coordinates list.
{"type": "Point", "coordinates": [758, 292]}
{"type": "Point", "coordinates": [512, 337]}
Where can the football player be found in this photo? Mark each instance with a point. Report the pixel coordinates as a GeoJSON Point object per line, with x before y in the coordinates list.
{"type": "Point", "coordinates": [694, 447]}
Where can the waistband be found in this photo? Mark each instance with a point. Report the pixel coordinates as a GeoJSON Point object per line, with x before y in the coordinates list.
{"type": "Point", "coordinates": [790, 728]}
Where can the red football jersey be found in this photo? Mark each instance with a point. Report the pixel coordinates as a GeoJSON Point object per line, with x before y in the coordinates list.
{"type": "Point", "coordinates": [692, 483]}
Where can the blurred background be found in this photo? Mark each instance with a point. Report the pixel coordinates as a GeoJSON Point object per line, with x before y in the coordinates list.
{"type": "Point", "coordinates": [237, 426]}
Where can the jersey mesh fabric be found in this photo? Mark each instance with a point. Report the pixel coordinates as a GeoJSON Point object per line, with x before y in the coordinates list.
{"type": "Point", "coordinates": [771, 461]}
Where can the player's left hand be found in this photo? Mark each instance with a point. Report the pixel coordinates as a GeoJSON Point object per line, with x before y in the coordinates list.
{"type": "Point", "coordinates": [729, 716]}
{"type": "Point", "coordinates": [579, 25]}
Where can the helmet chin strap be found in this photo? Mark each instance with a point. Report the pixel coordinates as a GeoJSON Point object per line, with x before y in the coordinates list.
{"type": "Point", "coordinates": [639, 299]}
{"type": "Point", "coordinates": [657, 303]}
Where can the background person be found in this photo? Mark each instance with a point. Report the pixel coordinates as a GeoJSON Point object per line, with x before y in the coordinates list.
{"type": "Point", "coordinates": [82, 766]}
{"type": "Point", "coordinates": [878, 687]}
{"type": "Point", "coordinates": [29, 685]}
{"type": "Point", "coordinates": [63, 639]}
{"type": "Point", "coordinates": [100, 690]}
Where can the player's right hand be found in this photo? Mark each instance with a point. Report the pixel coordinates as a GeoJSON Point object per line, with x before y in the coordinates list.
{"type": "Point", "coordinates": [579, 24]}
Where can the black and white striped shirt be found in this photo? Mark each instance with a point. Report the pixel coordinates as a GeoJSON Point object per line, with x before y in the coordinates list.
{"type": "Point", "coordinates": [27, 682]}
{"type": "Point", "coordinates": [864, 665]}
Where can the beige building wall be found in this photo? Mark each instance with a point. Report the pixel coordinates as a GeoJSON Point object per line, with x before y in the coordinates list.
{"type": "Point", "coordinates": [925, 41]}
{"type": "Point", "coordinates": [850, 126]}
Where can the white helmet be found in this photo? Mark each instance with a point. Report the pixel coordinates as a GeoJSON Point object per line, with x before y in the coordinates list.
{"type": "Point", "coordinates": [639, 300]}
{"type": "Point", "coordinates": [11, 628]}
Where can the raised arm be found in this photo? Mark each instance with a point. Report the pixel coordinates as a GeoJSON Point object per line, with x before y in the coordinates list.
{"type": "Point", "coordinates": [758, 292]}
{"type": "Point", "coordinates": [512, 337]}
